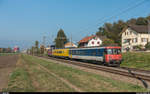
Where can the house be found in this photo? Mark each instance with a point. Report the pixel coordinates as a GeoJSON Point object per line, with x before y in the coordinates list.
{"type": "Point", "coordinates": [90, 41]}
{"type": "Point", "coordinates": [134, 35]}
{"type": "Point", "coordinates": [16, 49]}
{"type": "Point", "coordinates": [70, 45]}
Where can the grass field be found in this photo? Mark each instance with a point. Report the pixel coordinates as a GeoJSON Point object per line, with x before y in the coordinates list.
{"type": "Point", "coordinates": [139, 60]}
{"type": "Point", "coordinates": [29, 76]}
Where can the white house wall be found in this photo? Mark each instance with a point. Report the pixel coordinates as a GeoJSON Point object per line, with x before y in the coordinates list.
{"type": "Point", "coordinates": [95, 42]}
{"type": "Point", "coordinates": [131, 35]}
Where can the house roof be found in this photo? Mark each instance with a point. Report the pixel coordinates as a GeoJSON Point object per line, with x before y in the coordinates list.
{"type": "Point", "coordinates": [70, 44]}
{"type": "Point", "coordinates": [137, 28]}
{"type": "Point", "coordinates": [86, 39]}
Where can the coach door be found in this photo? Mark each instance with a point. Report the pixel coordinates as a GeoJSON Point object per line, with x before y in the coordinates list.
{"type": "Point", "coordinates": [104, 55]}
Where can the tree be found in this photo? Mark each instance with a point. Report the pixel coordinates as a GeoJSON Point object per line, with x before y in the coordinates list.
{"type": "Point", "coordinates": [36, 47]}
{"type": "Point", "coordinates": [131, 21]}
{"type": "Point", "coordinates": [36, 44]}
{"type": "Point", "coordinates": [32, 50]}
{"type": "Point", "coordinates": [141, 21]}
{"type": "Point", "coordinates": [9, 50]}
{"type": "Point", "coordinates": [112, 31]}
{"type": "Point", "coordinates": [108, 42]}
{"type": "Point", "coordinates": [147, 46]}
{"type": "Point", "coordinates": [148, 17]}
{"type": "Point", "coordinates": [61, 39]}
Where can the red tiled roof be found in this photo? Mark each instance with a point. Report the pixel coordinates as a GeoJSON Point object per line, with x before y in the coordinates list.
{"type": "Point", "coordinates": [86, 39]}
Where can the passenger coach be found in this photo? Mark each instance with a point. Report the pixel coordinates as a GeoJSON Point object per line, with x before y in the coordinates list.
{"type": "Point", "coordinates": [106, 55]}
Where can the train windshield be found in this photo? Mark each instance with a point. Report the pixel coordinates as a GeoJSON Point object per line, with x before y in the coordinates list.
{"type": "Point", "coordinates": [113, 51]}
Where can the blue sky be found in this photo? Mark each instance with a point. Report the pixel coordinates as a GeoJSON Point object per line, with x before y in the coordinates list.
{"type": "Point", "coordinates": [24, 21]}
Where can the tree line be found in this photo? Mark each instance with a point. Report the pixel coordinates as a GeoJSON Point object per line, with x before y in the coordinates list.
{"type": "Point", "coordinates": [35, 50]}
{"type": "Point", "coordinates": [6, 50]}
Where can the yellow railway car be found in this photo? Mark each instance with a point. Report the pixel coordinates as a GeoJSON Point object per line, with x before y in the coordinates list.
{"type": "Point", "coordinates": [64, 53]}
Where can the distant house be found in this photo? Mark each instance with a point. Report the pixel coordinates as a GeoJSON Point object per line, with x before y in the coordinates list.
{"type": "Point", "coordinates": [133, 36]}
{"type": "Point", "coordinates": [70, 45]}
{"type": "Point", "coordinates": [90, 41]}
{"type": "Point", "coordinates": [16, 49]}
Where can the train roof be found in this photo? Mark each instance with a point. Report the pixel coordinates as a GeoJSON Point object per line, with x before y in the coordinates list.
{"type": "Point", "coordinates": [107, 47]}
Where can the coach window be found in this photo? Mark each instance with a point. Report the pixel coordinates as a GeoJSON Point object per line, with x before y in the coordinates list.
{"type": "Point", "coordinates": [77, 52]}
{"type": "Point", "coordinates": [94, 52]}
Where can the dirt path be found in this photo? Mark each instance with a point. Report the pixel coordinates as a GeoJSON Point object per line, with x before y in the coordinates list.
{"type": "Point", "coordinates": [7, 64]}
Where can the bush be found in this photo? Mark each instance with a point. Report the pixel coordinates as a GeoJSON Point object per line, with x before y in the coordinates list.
{"type": "Point", "coordinates": [108, 42]}
{"type": "Point", "coordinates": [138, 47]}
{"type": "Point", "coordinates": [147, 46]}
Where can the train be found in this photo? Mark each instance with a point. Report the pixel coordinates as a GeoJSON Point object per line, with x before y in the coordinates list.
{"type": "Point", "coordinates": [109, 55]}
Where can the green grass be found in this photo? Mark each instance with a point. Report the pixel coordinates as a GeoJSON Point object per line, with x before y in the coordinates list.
{"type": "Point", "coordinates": [139, 60]}
{"type": "Point", "coordinates": [84, 80]}
{"type": "Point", "coordinates": [19, 81]}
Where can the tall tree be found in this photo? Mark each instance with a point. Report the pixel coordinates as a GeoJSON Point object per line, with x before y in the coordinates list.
{"type": "Point", "coordinates": [141, 21]}
{"type": "Point", "coordinates": [32, 50]}
{"type": "Point", "coordinates": [61, 39]}
{"type": "Point", "coordinates": [131, 21]}
{"type": "Point", "coordinates": [36, 44]}
{"type": "Point", "coordinates": [36, 47]}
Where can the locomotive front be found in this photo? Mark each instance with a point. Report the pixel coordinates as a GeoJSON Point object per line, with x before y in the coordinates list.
{"type": "Point", "coordinates": [113, 56]}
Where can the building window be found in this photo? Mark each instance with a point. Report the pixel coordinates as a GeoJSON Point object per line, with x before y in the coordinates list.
{"type": "Point", "coordinates": [144, 39]}
{"type": "Point", "coordinates": [135, 39]}
{"type": "Point", "coordinates": [125, 41]}
{"type": "Point", "coordinates": [98, 42]}
{"type": "Point", "coordinates": [132, 40]}
{"type": "Point", "coordinates": [92, 42]}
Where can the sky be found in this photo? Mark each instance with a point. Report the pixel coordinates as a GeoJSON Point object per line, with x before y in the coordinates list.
{"type": "Point", "coordinates": [22, 22]}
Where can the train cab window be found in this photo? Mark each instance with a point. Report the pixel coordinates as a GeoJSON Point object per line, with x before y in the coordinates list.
{"type": "Point", "coordinates": [113, 51]}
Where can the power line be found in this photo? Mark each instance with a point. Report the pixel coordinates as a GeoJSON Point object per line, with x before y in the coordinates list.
{"type": "Point", "coordinates": [124, 11]}
{"type": "Point", "coordinates": [103, 19]}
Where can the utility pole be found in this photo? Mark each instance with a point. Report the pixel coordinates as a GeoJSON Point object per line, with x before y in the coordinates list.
{"type": "Point", "coordinates": [71, 41]}
{"type": "Point", "coordinates": [44, 37]}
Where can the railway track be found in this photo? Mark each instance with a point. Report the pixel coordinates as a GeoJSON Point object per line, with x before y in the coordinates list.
{"type": "Point", "coordinates": [142, 75]}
